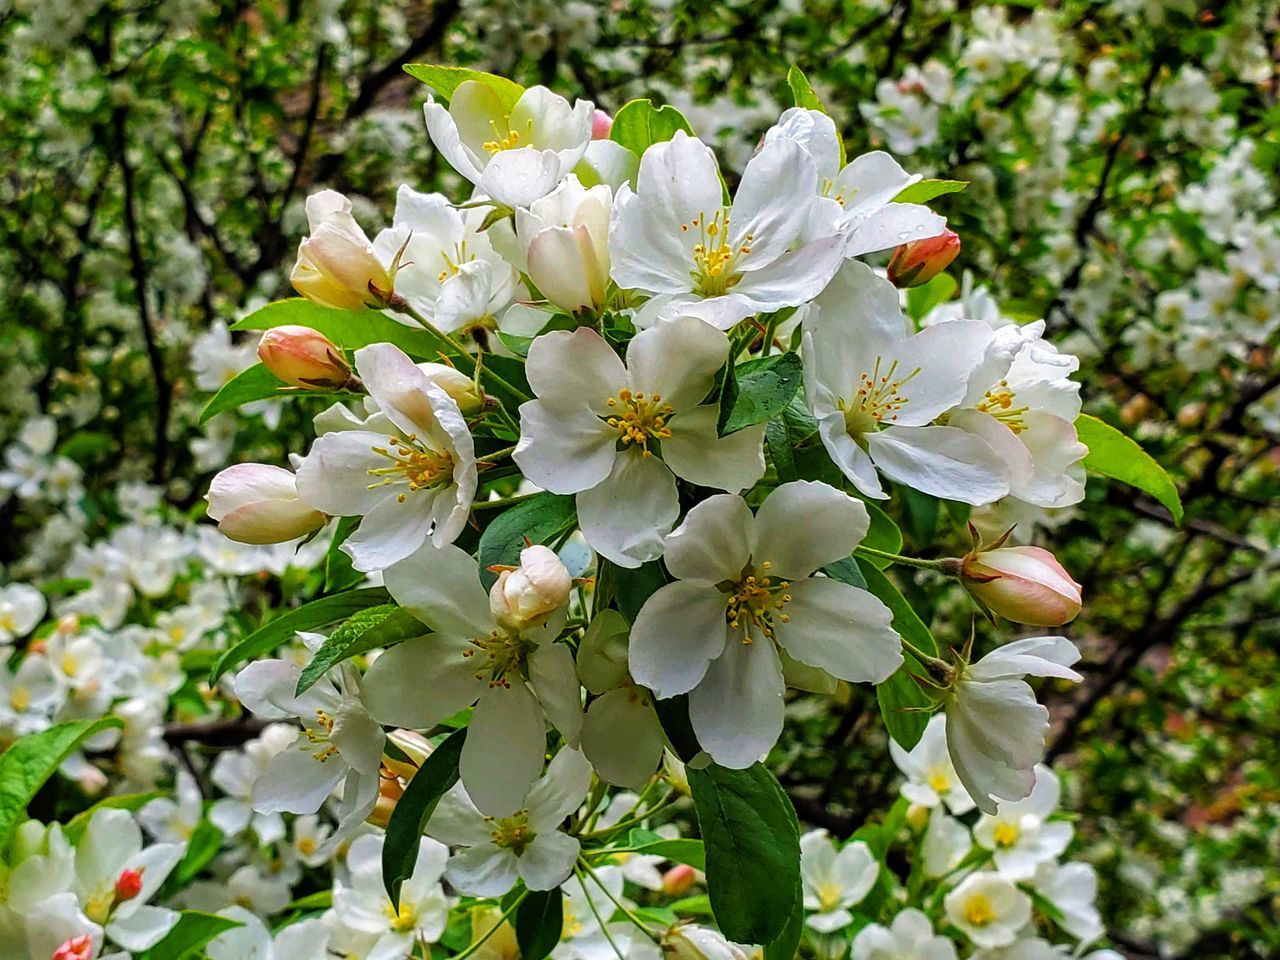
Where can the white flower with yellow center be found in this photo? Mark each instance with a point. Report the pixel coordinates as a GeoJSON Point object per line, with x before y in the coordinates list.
{"type": "Point", "coordinates": [909, 937]}
{"type": "Point", "coordinates": [29, 695]}
{"type": "Point", "coordinates": [745, 589]}
{"type": "Point", "coordinates": [988, 909]}
{"type": "Point", "coordinates": [361, 905]}
{"type": "Point", "coordinates": [338, 741]}
{"type": "Point", "coordinates": [518, 679]}
{"type": "Point", "coordinates": [524, 845]}
{"type": "Point", "coordinates": [674, 238]}
{"type": "Point", "coordinates": [302, 940]}
{"type": "Point", "coordinates": [21, 608]}
{"type": "Point", "coordinates": [449, 271]}
{"type": "Point", "coordinates": [876, 392]}
{"type": "Point", "coordinates": [833, 880]}
{"type": "Point", "coordinates": [931, 777]}
{"type": "Point", "coordinates": [409, 471]}
{"type": "Point", "coordinates": [995, 727]}
{"type": "Point", "coordinates": [1020, 834]}
{"type": "Point", "coordinates": [513, 152]}
{"type": "Point", "coordinates": [619, 434]}
{"type": "Point", "coordinates": [856, 199]}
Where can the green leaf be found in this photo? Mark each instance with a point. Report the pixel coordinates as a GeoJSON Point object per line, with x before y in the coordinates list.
{"type": "Point", "coordinates": [1114, 455]}
{"type": "Point", "coordinates": [804, 96]}
{"type": "Point", "coordinates": [631, 588]}
{"type": "Point", "coordinates": [74, 828]}
{"type": "Point", "coordinates": [437, 774]}
{"type": "Point", "coordinates": [698, 906]}
{"type": "Point", "coordinates": [339, 574]}
{"type": "Point", "coordinates": [883, 534]}
{"type": "Point", "coordinates": [203, 846]}
{"type": "Point", "coordinates": [539, 921]}
{"type": "Point", "coordinates": [753, 850]}
{"type": "Point", "coordinates": [787, 944]}
{"type": "Point", "coordinates": [757, 390]}
{"type": "Point", "coordinates": [349, 329]}
{"type": "Point", "coordinates": [187, 938]}
{"type": "Point", "coordinates": [639, 125]}
{"type": "Point", "coordinates": [922, 191]}
{"type": "Point", "coordinates": [317, 613]}
{"type": "Point", "coordinates": [901, 699]}
{"type": "Point", "coordinates": [922, 299]}
{"type": "Point", "coordinates": [681, 850]}
{"type": "Point", "coordinates": [922, 512]}
{"type": "Point", "coordinates": [445, 80]}
{"type": "Point", "coordinates": [366, 630]}
{"type": "Point", "coordinates": [673, 715]}
{"type": "Point", "coordinates": [32, 759]}
{"type": "Point", "coordinates": [542, 518]}
{"type": "Point", "coordinates": [255, 383]}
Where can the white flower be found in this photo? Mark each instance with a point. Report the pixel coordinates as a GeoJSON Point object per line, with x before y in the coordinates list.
{"type": "Point", "coordinates": [988, 909]}
{"type": "Point", "coordinates": [1072, 888]}
{"type": "Point", "coordinates": [235, 772]}
{"type": "Point", "coordinates": [39, 912]}
{"type": "Point", "coordinates": [171, 820]}
{"type": "Point", "coordinates": [585, 907]}
{"type": "Point", "coordinates": [361, 904]}
{"type": "Point", "coordinates": [618, 435]}
{"type": "Point", "coordinates": [525, 845]}
{"type": "Point", "coordinates": [909, 937]}
{"type": "Point", "coordinates": [995, 727]}
{"type": "Point", "coordinates": [338, 741]}
{"type": "Point", "coordinates": [29, 695]}
{"type": "Point", "coordinates": [514, 154]}
{"type": "Point", "coordinates": [931, 778]}
{"type": "Point", "coordinates": [563, 242]}
{"type": "Point", "coordinates": [337, 265]}
{"type": "Point", "coordinates": [257, 503]}
{"type": "Point", "coordinates": [834, 880]}
{"type": "Point", "coordinates": [946, 843]}
{"type": "Point", "coordinates": [449, 271]}
{"type": "Point", "coordinates": [303, 940]}
{"type": "Point", "coordinates": [1028, 948]}
{"type": "Point", "coordinates": [857, 199]}
{"type": "Point", "coordinates": [21, 608]}
{"type": "Point", "coordinates": [115, 877]}
{"type": "Point", "coordinates": [744, 588]}
{"type": "Point", "coordinates": [674, 237]}
{"type": "Point", "coordinates": [409, 471]}
{"type": "Point", "coordinates": [517, 680]}
{"type": "Point", "coordinates": [876, 392]}
{"type": "Point", "coordinates": [1020, 834]}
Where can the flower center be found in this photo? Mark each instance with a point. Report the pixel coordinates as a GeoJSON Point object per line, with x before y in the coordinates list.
{"type": "Point", "coordinates": [978, 911]}
{"type": "Point", "coordinates": [453, 264]}
{"type": "Point", "coordinates": [938, 780]}
{"type": "Point", "coordinates": [7, 622]}
{"type": "Point", "coordinates": [411, 463]}
{"type": "Point", "coordinates": [757, 601]}
{"type": "Point", "coordinates": [513, 832]}
{"type": "Point", "coordinates": [19, 698]}
{"type": "Point", "coordinates": [639, 418]}
{"type": "Point", "coordinates": [318, 733]}
{"type": "Point", "coordinates": [503, 654]}
{"type": "Point", "coordinates": [713, 255]}
{"type": "Point", "coordinates": [828, 185]}
{"type": "Point", "coordinates": [878, 399]}
{"type": "Point", "coordinates": [1006, 834]}
{"type": "Point", "coordinates": [998, 403]}
{"type": "Point", "coordinates": [510, 141]}
{"type": "Point", "coordinates": [829, 895]}
{"type": "Point", "coordinates": [404, 919]}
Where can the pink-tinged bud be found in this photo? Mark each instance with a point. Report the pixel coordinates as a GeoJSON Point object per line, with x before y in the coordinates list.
{"type": "Point", "coordinates": [257, 503]}
{"type": "Point", "coordinates": [77, 948]}
{"type": "Point", "coordinates": [390, 790]}
{"type": "Point", "coordinates": [921, 260]}
{"type": "Point", "coordinates": [601, 125]}
{"type": "Point", "coordinates": [1022, 584]}
{"type": "Point", "coordinates": [677, 881]}
{"type": "Point", "coordinates": [529, 594]}
{"type": "Point", "coordinates": [128, 884]}
{"type": "Point", "coordinates": [336, 265]}
{"type": "Point", "coordinates": [304, 357]}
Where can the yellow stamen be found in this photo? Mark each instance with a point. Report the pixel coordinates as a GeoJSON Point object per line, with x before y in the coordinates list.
{"type": "Point", "coordinates": [640, 418]}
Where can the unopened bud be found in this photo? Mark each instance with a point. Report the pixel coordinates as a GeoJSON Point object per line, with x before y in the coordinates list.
{"type": "Point", "coordinates": [336, 265]}
{"type": "Point", "coordinates": [529, 594]}
{"type": "Point", "coordinates": [917, 816]}
{"type": "Point", "coordinates": [128, 885]}
{"type": "Point", "coordinates": [601, 125]}
{"type": "Point", "coordinates": [414, 746]}
{"type": "Point", "coordinates": [1022, 584]}
{"type": "Point", "coordinates": [677, 881]}
{"type": "Point", "coordinates": [77, 948]}
{"type": "Point", "coordinates": [390, 790]}
{"type": "Point", "coordinates": [457, 385]}
{"type": "Point", "coordinates": [921, 260]}
{"type": "Point", "coordinates": [304, 357]}
{"type": "Point", "coordinates": [258, 503]}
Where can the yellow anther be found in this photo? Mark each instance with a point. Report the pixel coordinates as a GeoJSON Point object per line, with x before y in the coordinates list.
{"type": "Point", "coordinates": [640, 418]}
{"type": "Point", "coordinates": [878, 399]}
{"type": "Point", "coordinates": [418, 466]}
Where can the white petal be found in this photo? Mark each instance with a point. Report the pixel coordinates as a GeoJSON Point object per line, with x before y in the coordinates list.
{"type": "Point", "coordinates": [625, 517]}
{"type": "Point", "coordinates": [804, 525]}
{"type": "Point", "coordinates": [940, 461]}
{"type": "Point", "coordinates": [143, 929]}
{"type": "Point", "coordinates": [575, 368]}
{"type": "Point", "coordinates": [622, 738]}
{"type": "Point", "coordinates": [736, 710]}
{"type": "Point", "coordinates": [391, 531]}
{"type": "Point", "coordinates": [677, 360]}
{"type": "Point", "coordinates": [483, 871]}
{"type": "Point", "coordinates": [773, 201]}
{"type": "Point", "coordinates": [678, 632]}
{"type": "Point", "coordinates": [547, 862]}
{"type": "Point", "coordinates": [714, 541]}
{"type": "Point", "coordinates": [503, 752]}
{"type": "Point", "coordinates": [420, 682]}
{"type": "Point", "coordinates": [334, 476]}
{"type": "Point", "coordinates": [555, 683]}
{"type": "Point", "coordinates": [295, 782]}
{"type": "Point", "coordinates": [441, 587]}
{"type": "Point", "coordinates": [560, 791]}
{"type": "Point", "coordinates": [564, 449]}
{"type": "Point", "coordinates": [843, 630]}
{"type": "Point", "coordinates": [695, 453]}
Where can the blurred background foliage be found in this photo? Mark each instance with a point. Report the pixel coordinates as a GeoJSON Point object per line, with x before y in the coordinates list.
{"type": "Point", "coordinates": [1122, 159]}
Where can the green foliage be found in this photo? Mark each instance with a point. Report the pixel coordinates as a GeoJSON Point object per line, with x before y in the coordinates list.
{"type": "Point", "coordinates": [757, 390]}
{"type": "Point", "coordinates": [435, 776]}
{"type": "Point", "coordinates": [539, 921]}
{"type": "Point", "coordinates": [639, 125]}
{"type": "Point", "coordinates": [188, 936]}
{"type": "Point", "coordinates": [444, 80]}
{"type": "Point", "coordinates": [369, 629]}
{"type": "Point", "coordinates": [1114, 455]}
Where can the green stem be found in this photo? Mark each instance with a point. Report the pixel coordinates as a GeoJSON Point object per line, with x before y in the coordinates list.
{"type": "Point", "coordinates": [636, 820]}
{"type": "Point", "coordinates": [496, 455]}
{"type": "Point", "coordinates": [501, 502]}
{"type": "Point", "coordinates": [622, 908]}
{"type": "Point", "coordinates": [939, 565]}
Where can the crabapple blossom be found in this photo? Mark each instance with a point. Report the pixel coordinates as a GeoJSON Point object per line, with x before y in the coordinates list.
{"type": "Point", "coordinates": [834, 880]}
{"type": "Point", "coordinates": [1020, 834]}
{"type": "Point", "coordinates": [931, 777]}
{"type": "Point", "coordinates": [1023, 584]}
{"type": "Point", "coordinates": [909, 937]}
{"type": "Point", "coordinates": [988, 909]}
{"type": "Point", "coordinates": [304, 357]}
{"type": "Point", "coordinates": [257, 503]}
{"type": "Point", "coordinates": [337, 266]}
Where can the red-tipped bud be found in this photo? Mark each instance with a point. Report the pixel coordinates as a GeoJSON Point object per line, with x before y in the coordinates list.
{"type": "Point", "coordinates": [304, 357]}
{"type": "Point", "coordinates": [921, 260]}
{"type": "Point", "coordinates": [677, 881]}
{"type": "Point", "coordinates": [601, 124]}
{"type": "Point", "coordinates": [1022, 584]}
{"type": "Point", "coordinates": [128, 885]}
{"type": "Point", "coordinates": [77, 948]}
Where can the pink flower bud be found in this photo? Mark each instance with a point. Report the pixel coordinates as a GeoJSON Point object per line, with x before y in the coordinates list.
{"type": "Point", "coordinates": [677, 881]}
{"type": "Point", "coordinates": [528, 595]}
{"type": "Point", "coordinates": [128, 884]}
{"type": "Point", "coordinates": [336, 265]}
{"type": "Point", "coordinates": [921, 260]}
{"type": "Point", "coordinates": [1023, 584]}
{"type": "Point", "coordinates": [601, 124]}
{"type": "Point", "coordinates": [258, 503]}
{"type": "Point", "coordinates": [77, 948]}
{"type": "Point", "coordinates": [304, 357]}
